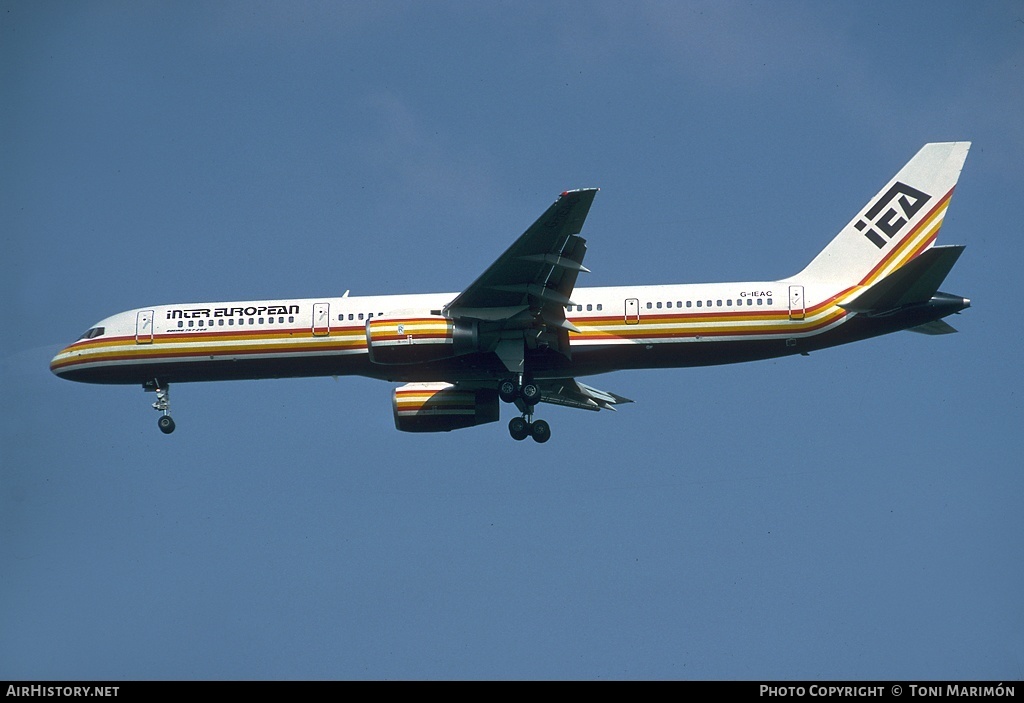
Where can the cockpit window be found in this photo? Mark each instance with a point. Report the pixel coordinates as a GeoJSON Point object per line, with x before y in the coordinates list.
{"type": "Point", "coordinates": [93, 332]}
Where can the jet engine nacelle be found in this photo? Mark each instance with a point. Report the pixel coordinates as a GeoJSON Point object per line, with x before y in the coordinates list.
{"type": "Point", "coordinates": [442, 407]}
{"type": "Point", "coordinates": [412, 339]}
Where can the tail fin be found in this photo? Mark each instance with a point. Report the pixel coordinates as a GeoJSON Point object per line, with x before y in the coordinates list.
{"type": "Point", "coordinates": [897, 225]}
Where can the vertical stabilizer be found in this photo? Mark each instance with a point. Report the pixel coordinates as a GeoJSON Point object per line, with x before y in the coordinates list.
{"type": "Point", "coordinates": [896, 225]}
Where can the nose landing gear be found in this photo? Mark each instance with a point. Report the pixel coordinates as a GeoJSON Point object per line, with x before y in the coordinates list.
{"type": "Point", "coordinates": [166, 424]}
{"type": "Point", "coordinates": [162, 404]}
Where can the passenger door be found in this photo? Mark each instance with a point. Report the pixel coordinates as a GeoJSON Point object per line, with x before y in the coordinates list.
{"type": "Point", "coordinates": [321, 319]}
{"type": "Point", "coordinates": [144, 327]}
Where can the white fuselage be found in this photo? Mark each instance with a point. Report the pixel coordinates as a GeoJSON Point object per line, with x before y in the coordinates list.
{"type": "Point", "coordinates": [327, 336]}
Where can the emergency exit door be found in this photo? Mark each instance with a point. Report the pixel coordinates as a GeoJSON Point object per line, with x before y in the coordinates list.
{"type": "Point", "coordinates": [632, 311]}
{"type": "Point", "coordinates": [797, 307]}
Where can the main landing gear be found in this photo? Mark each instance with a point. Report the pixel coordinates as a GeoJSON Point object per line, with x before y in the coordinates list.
{"type": "Point", "coordinates": [162, 404]}
{"type": "Point", "coordinates": [510, 391]}
{"type": "Point", "coordinates": [520, 428]}
{"type": "Point", "coordinates": [525, 396]}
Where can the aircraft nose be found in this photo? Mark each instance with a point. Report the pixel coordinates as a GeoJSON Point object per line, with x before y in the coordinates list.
{"type": "Point", "coordinates": [57, 362]}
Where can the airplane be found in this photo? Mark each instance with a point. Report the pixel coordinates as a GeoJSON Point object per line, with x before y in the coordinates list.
{"type": "Point", "coordinates": [522, 333]}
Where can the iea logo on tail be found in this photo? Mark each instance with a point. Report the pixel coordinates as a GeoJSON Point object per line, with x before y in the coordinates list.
{"type": "Point", "coordinates": [908, 202]}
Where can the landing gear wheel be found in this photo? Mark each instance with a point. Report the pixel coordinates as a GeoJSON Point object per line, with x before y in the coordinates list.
{"type": "Point", "coordinates": [519, 428]}
{"type": "Point", "coordinates": [541, 431]}
{"type": "Point", "coordinates": [166, 424]}
{"type": "Point", "coordinates": [530, 393]}
{"type": "Point", "coordinates": [162, 404]}
{"type": "Point", "coordinates": [508, 390]}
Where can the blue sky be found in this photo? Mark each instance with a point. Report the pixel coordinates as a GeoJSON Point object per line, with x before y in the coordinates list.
{"type": "Point", "coordinates": [851, 514]}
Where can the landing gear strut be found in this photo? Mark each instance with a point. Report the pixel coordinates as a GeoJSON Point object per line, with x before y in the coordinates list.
{"type": "Point", "coordinates": [525, 396]}
{"type": "Point", "coordinates": [162, 404]}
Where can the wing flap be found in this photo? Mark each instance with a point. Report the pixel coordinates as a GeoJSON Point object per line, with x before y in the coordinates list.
{"type": "Point", "coordinates": [571, 393]}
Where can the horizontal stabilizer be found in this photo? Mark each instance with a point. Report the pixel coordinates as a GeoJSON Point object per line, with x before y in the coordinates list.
{"type": "Point", "coordinates": [915, 282]}
{"type": "Point", "coordinates": [934, 327]}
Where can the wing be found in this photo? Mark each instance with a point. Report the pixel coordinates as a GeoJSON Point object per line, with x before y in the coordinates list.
{"type": "Point", "coordinates": [573, 394]}
{"type": "Point", "coordinates": [527, 288]}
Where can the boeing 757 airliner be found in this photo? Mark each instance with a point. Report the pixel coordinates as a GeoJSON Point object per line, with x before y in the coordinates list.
{"type": "Point", "coordinates": [523, 333]}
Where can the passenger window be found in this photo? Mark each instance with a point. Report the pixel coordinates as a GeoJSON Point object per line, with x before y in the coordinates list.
{"type": "Point", "coordinates": [599, 306]}
{"type": "Point", "coordinates": [659, 306]}
{"type": "Point", "coordinates": [769, 301]}
{"type": "Point", "coordinates": [689, 303]}
{"type": "Point", "coordinates": [360, 316]}
{"type": "Point", "coordinates": [590, 307]}
{"type": "Point", "coordinates": [699, 302]}
{"type": "Point", "coordinates": [650, 305]}
{"type": "Point", "coordinates": [191, 323]}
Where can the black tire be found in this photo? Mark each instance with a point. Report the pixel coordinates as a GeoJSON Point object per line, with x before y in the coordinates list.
{"type": "Point", "coordinates": [530, 393]}
{"type": "Point", "coordinates": [166, 424]}
{"type": "Point", "coordinates": [518, 428]}
{"type": "Point", "coordinates": [540, 431]}
{"type": "Point", "coordinates": [508, 391]}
